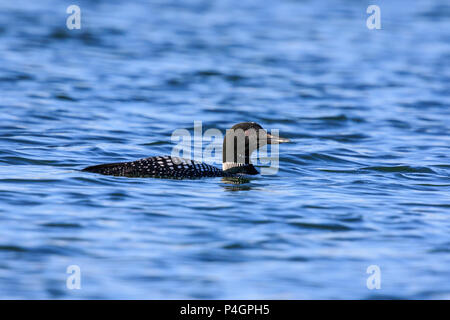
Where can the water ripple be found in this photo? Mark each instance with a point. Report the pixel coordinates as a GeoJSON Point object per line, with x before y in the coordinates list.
{"type": "Point", "coordinates": [364, 182]}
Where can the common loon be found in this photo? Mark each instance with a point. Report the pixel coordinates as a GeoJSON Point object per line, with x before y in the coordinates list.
{"type": "Point", "coordinates": [238, 144]}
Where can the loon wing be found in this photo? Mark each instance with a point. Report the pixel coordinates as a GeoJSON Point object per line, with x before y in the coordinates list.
{"type": "Point", "coordinates": [161, 167]}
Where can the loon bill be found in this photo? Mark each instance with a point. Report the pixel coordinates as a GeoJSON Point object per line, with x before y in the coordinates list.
{"type": "Point", "coordinates": [239, 143]}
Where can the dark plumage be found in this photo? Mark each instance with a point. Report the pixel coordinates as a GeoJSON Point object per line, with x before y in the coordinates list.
{"type": "Point", "coordinates": [178, 168]}
{"type": "Point", "coordinates": [162, 166]}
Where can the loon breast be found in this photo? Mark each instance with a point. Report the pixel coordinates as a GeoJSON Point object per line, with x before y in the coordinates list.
{"type": "Point", "coordinates": [159, 167]}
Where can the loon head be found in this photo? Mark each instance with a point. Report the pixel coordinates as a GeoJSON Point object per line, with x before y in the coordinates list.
{"type": "Point", "coordinates": [239, 143]}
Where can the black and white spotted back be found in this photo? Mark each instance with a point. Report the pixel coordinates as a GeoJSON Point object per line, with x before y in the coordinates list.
{"type": "Point", "coordinates": [159, 167]}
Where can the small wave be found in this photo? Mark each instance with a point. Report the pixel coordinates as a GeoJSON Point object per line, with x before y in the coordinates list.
{"type": "Point", "coordinates": [27, 161]}
{"type": "Point", "coordinates": [325, 158]}
{"type": "Point", "coordinates": [12, 248]}
{"type": "Point", "coordinates": [408, 169]}
{"type": "Point", "coordinates": [355, 137]}
{"type": "Point", "coordinates": [320, 226]}
{"type": "Point", "coordinates": [62, 225]}
{"type": "Point", "coordinates": [65, 97]}
{"type": "Point", "coordinates": [335, 118]}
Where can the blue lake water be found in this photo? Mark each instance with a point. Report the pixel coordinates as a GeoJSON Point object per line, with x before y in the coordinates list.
{"type": "Point", "coordinates": [365, 181]}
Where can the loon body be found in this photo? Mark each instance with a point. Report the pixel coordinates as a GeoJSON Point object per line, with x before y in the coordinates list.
{"type": "Point", "coordinates": [239, 143]}
{"type": "Point", "coordinates": [159, 167]}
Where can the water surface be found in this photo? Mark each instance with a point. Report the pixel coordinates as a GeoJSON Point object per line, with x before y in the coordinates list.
{"type": "Point", "coordinates": [365, 182]}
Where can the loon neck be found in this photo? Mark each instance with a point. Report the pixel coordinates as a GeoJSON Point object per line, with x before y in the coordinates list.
{"type": "Point", "coordinates": [237, 162]}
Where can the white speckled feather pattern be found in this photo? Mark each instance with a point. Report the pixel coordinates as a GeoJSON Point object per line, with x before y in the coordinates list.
{"type": "Point", "coordinates": [161, 166]}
